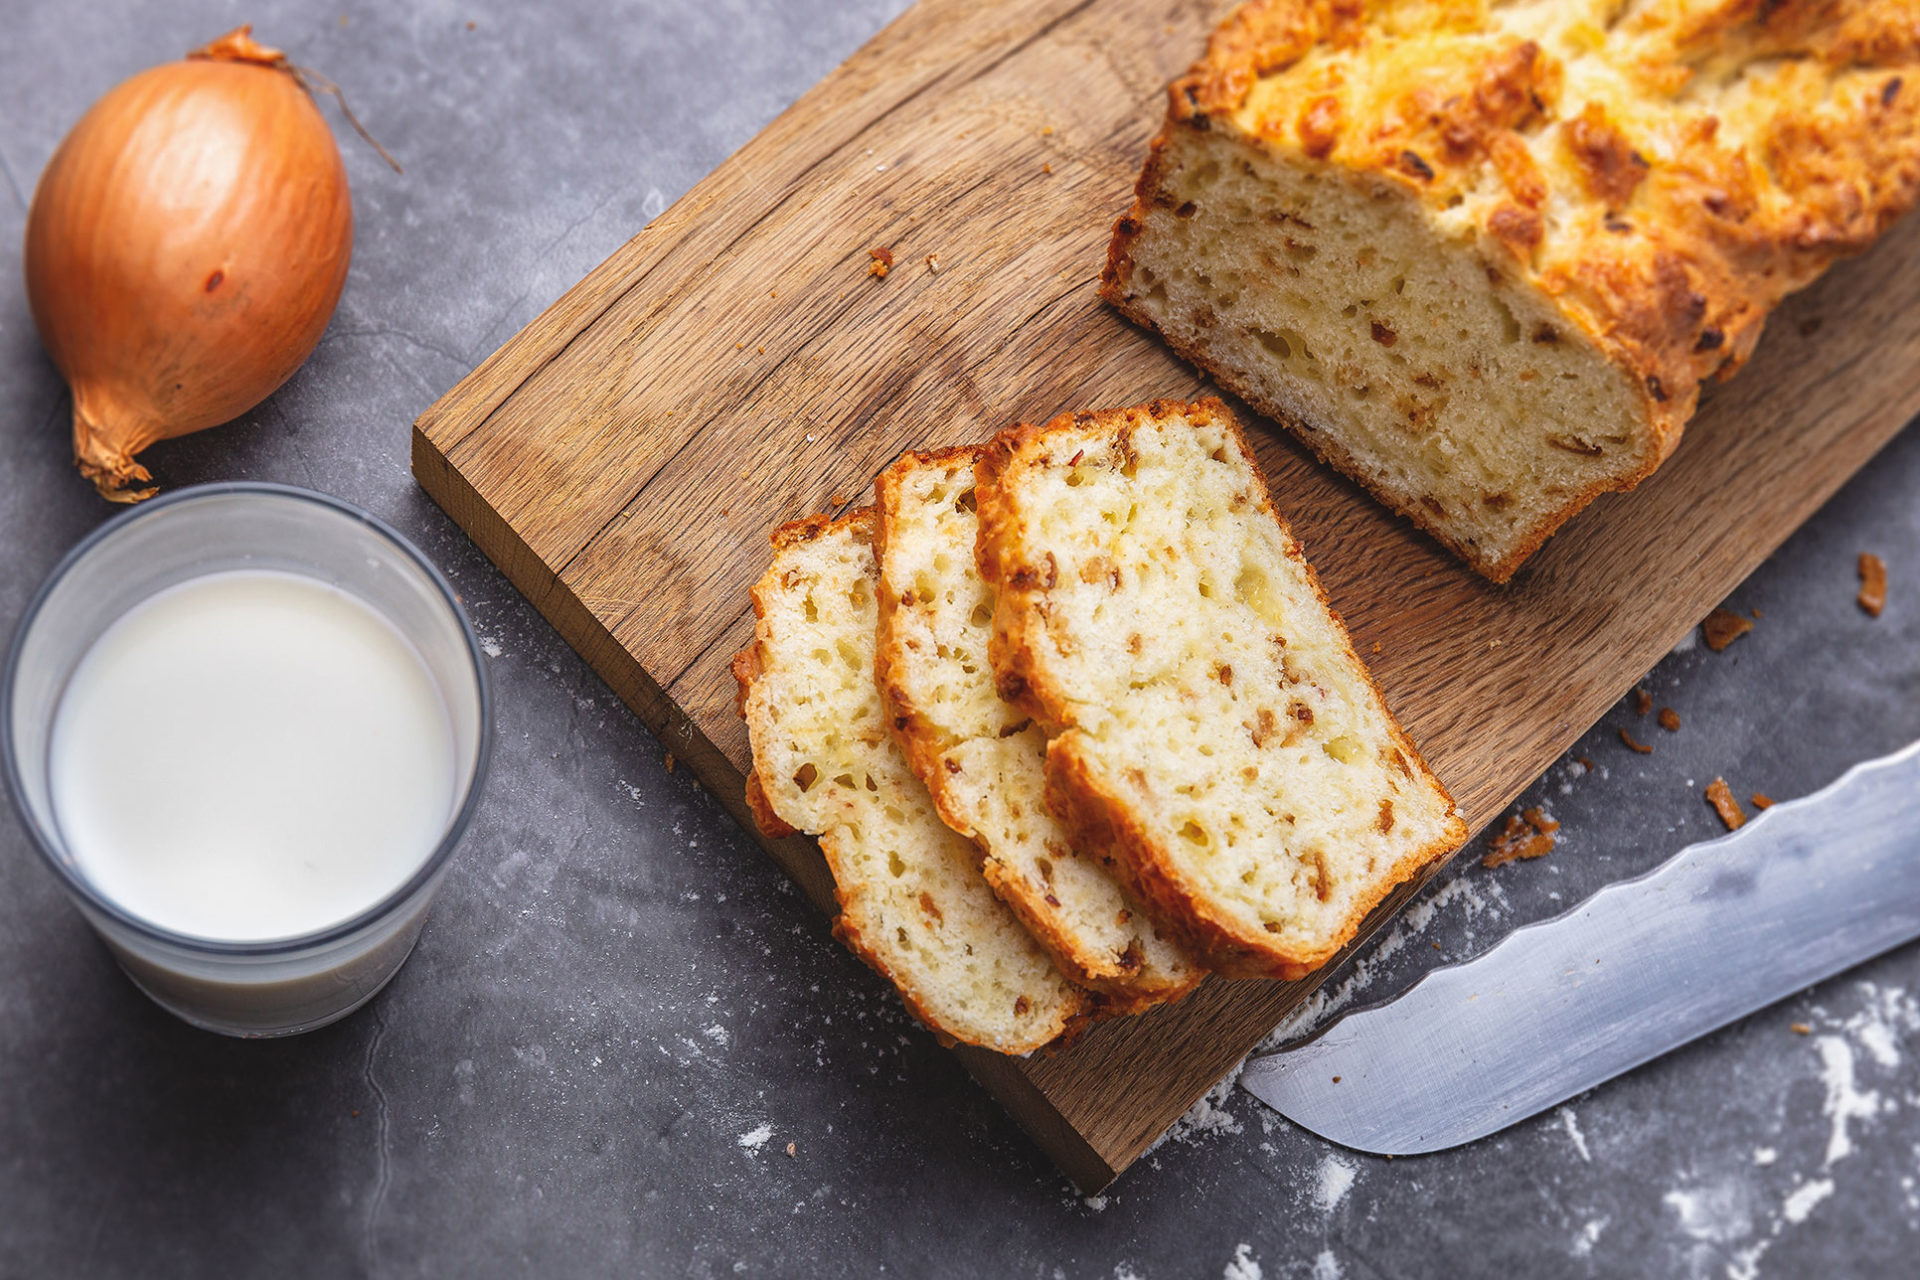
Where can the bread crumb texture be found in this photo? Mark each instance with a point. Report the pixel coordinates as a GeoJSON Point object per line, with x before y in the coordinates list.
{"type": "Point", "coordinates": [1873, 584]}
{"type": "Point", "coordinates": [1481, 256]}
{"type": "Point", "coordinates": [1528, 834]}
{"type": "Point", "coordinates": [912, 900]}
{"type": "Point", "coordinates": [1720, 796]}
{"type": "Point", "coordinates": [982, 758]}
{"type": "Point", "coordinates": [1722, 627]}
{"type": "Point", "coordinates": [1210, 721]}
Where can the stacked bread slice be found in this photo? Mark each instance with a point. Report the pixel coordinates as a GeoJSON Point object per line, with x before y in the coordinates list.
{"type": "Point", "coordinates": [982, 758]}
{"type": "Point", "coordinates": [1075, 725]}
{"type": "Point", "coordinates": [1208, 720]}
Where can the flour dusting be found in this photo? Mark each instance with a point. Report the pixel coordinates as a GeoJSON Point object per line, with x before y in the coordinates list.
{"type": "Point", "coordinates": [1887, 1017]}
{"type": "Point", "coordinates": [1242, 1266]}
{"type": "Point", "coordinates": [1572, 1126]}
{"type": "Point", "coordinates": [1873, 1039]}
{"type": "Point", "coordinates": [1327, 1267]}
{"type": "Point", "coordinates": [754, 1139]}
{"type": "Point", "coordinates": [1205, 1118]}
{"type": "Point", "coordinates": [1714, 1214]}
{"type": "Point", "coordinates": [1334, 1181]}
{"type": "Point", "coordinates": [1805, 1198]}
{"type": "Point", "coordinates": [1846, 1102]}
{"type": "Point", "coordinates": [1588, 1237]}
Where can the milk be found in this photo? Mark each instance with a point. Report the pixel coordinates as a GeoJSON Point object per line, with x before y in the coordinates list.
{"type": "Point", "coordinates": [251, 755]}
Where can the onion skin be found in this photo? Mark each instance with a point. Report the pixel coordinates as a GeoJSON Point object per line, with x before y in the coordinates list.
{"type": "Point", "coordinates": [185, 249]}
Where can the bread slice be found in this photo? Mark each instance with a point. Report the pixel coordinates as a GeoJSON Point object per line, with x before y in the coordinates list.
{"type": "Point", "coordinates": [982, 759]}
{"type": "Point", "coordinates": [1481, 258]}
{"type": "Point", "coordinates": [1209, 718]}
{"type": "Point", "coordinates": [912, 900]}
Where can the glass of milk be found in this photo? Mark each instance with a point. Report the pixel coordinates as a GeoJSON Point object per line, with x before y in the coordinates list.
{"type": "Point", "coordinates": [247, 725]}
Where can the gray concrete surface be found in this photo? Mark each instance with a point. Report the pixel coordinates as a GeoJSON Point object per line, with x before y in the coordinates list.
{"type": "Point", "coordinates": [620, 1016]}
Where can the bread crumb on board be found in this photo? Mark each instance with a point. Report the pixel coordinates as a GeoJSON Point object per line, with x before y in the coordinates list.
{"type": "Point", "coordinates": [933, 263]}
{"type": "Point", "coordinates": [1634, 745]}
{"type": "Point", "coordinates": [1722, 628]}
{"type": "Point", "coordinates": [881, 262]}
{"type": "Point", "coordinates": [1720, 796]}
{"type": "Point", "coordinates": [1873, 584]}
{"type": "Point", "coordinates": [1669, 719]}
{"type": "Point", "coordinates": [1528, 834]}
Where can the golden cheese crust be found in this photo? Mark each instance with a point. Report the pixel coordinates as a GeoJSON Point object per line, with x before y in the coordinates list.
{"type": "Point", "coordinates": [1659, 174]}
{"type": "Point", "coordinates": [1667, 170]}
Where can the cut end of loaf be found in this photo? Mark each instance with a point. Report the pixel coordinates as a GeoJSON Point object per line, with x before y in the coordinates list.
{"type": "Point", "coordinates": [1330, 301]}
{"type": "Point", "coordinates": [1215, 723]}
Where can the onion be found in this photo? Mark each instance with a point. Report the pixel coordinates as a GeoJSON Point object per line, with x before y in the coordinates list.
{"type": "Point", "coordinates": [185, 250]}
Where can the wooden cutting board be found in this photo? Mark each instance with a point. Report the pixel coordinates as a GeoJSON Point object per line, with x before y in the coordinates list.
{"type": "Point", "coordinates": [736, 365]}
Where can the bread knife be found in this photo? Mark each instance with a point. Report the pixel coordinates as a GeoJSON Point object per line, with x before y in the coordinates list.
{"type": "Point", "coordinates": [1805, 890]}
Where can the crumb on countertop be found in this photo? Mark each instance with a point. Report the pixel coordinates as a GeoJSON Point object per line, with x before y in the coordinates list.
{"type": "Point", "coordinates": [881, 263]}
{"type": "Point", "coordinates": [1722, 628]}
{"type": "Point", "coordinates": [1669, 719]}
{"type": "Point", "coordinates": [1873, 583]}
{"type": "Point", "coordinates": [1762, 801]}
{"type": "Point", "coordinates": [1720, 796]}
{"type": "Point", "coordinates": [1634, 745]}
{"type": "Point", "coordinates": [1642, 701]}
{"type": "Point", "coordinates": [1800, 1029]}
{"type": "Point", "coordinates": [1528, 834]}
{"type": "Point", "coordinates": [670, 762]}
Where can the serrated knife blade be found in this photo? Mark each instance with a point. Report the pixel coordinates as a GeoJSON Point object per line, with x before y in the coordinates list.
{"type": "Point", "coordinates": [1807, 889]}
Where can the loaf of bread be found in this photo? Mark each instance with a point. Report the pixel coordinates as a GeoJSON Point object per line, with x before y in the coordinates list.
{"type": "Point", "coordinates": [1481, 257]}
{"type": "Point", "coordinates": [1209, 720]}
{"type": "Point", "coordinates": [912, 900]}
{"type": "Point", "coordinates": [982, 759]}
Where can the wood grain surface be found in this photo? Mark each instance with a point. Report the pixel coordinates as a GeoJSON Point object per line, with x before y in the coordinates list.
{"type": "Point", "coordinates": [736, 365]}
